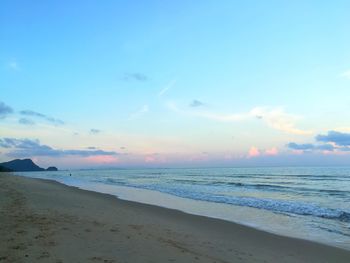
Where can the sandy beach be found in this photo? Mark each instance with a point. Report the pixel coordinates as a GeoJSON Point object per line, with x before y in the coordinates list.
{"type": "Point", "coordinates": [44, 221]}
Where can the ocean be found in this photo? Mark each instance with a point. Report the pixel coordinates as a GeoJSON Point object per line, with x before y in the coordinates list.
{"type": "Point", "coordinates": [304, 202]}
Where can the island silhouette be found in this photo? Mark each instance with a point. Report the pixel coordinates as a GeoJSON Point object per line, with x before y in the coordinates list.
{"type": "Point", "coordinates": [23, 165]}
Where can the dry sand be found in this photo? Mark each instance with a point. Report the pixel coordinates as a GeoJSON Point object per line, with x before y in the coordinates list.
{"type": "Point", "coordinates": [44, 221]}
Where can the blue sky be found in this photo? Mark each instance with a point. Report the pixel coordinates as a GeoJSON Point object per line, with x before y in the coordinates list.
{"type": "Point", "coordinates": [174, 83]}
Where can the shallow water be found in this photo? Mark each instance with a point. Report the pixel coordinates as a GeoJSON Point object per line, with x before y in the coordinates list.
{"type": "Point", "coordinates": [306, 202]}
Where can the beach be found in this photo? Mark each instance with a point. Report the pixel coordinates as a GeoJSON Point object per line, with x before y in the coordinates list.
{"type": "Point", "coordinates": [45, 221]}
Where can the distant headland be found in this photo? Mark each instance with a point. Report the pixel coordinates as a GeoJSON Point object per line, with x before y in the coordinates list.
{"type": "Point", "coordinates": [24, 165]}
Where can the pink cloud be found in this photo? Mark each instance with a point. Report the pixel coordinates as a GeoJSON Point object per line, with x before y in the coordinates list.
{"type": "Point", "coordinates": [272, 151]}
{"type": "Point", "coordinates": [253, 152]}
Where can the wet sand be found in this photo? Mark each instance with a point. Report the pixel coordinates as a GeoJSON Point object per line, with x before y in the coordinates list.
{"type": "Point", "coordinates": [45, 221]}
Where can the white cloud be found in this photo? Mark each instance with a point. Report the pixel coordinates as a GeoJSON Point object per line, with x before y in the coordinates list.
{"type": "Point", "coordinates": [274, 117]}
{"type": "Point", "coordinates": [278, 119]}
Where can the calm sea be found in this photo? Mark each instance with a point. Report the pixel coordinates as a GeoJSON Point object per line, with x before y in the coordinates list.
{"type": "Point", "coordinates": [305, 202]}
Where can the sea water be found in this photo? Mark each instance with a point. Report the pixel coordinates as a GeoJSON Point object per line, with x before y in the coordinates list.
{"type": "Point", "coordinates": [305, 202]}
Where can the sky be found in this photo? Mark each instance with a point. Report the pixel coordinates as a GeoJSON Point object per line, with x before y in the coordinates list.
{"type": "Point", "coordinates": [97, 84]}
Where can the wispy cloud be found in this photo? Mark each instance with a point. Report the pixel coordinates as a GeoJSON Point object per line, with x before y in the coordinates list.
{"type": "Point", "coordinates": [167, 87]}
{"type": "Point", "coordinates": [5, 110]}
{"type": "Point", "coordinates": [276, 118]}
{"type": "Point", "coordinates": [28, 147]}
{"type": "Point", "coordinates": [135, 76]}
{"type": "Point", "coordinates": [41, 116]}
{"type": "Point", "coordinates": [143, 110]}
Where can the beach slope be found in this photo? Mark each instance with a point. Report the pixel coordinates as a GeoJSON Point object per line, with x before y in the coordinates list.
{"type": "Point", "coordinates": [44, 221]}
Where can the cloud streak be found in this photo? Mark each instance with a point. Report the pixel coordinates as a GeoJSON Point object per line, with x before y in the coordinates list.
{"type": "Point", "coordinates": [28, 147]}
{"type": "Point", "coordinates": [41, 116]}
{"type": "Point", "coordinates": [276, 118]}
{"type": "Point", "coordinates": [166, 88]}
{"type": "Point", "coordinates": [143, 110]}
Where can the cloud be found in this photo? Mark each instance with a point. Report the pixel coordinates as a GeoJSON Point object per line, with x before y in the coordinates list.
{"type": "Point", "coordinates": [166, 88]}
{"type": "Point", "coordinates": [346, 74]}
{"type": "Point", "coordinates": [135, 76]}
{"type": "Point", "coordinates": [41, 116]}
{"type": "Point", "coordinates": [303, 147]}
{"type": "Point", "coordinates": [26, 121]}
{"type": "Point", "coordinates": [4, 110]}
{"type": "Point", "coordinates": [332, 141]}
{"type": "Point", "coordinates": [310, 147]}
{"type": "Point", "coordinates": [196, 103]}
{"type": "Point", "coordinates": [213, 116]}
{"type": "Point", "coordinates": [338, 138]}
{"type": "Point", "coordinates": [95, 131]}
{"type": "Point", "coordinates": [27, 147]}
{"type": "Point", "coordinates": [276, 118]}
{"type": "Point", "coordinates": [273, 151]}
{"type": "Point", "coordinates": [325, 147]}
{"type": "Point", "coordinates": [253, 152]}
{"type": "Point", "coordinates": [144, 109]}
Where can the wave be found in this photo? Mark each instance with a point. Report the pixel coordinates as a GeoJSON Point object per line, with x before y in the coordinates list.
{"type": "Point", "coordinates": [184, 188]}
{"type": "Point", "coordinates": [263, 186]}
{"type": "Point", "coordinates": [288, 207]}
{"type": "Point", "coordinates": [279, 206]}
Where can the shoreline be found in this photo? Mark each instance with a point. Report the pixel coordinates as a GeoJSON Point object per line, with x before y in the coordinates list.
{"type": "Point", "coordinates": [41, 216]}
